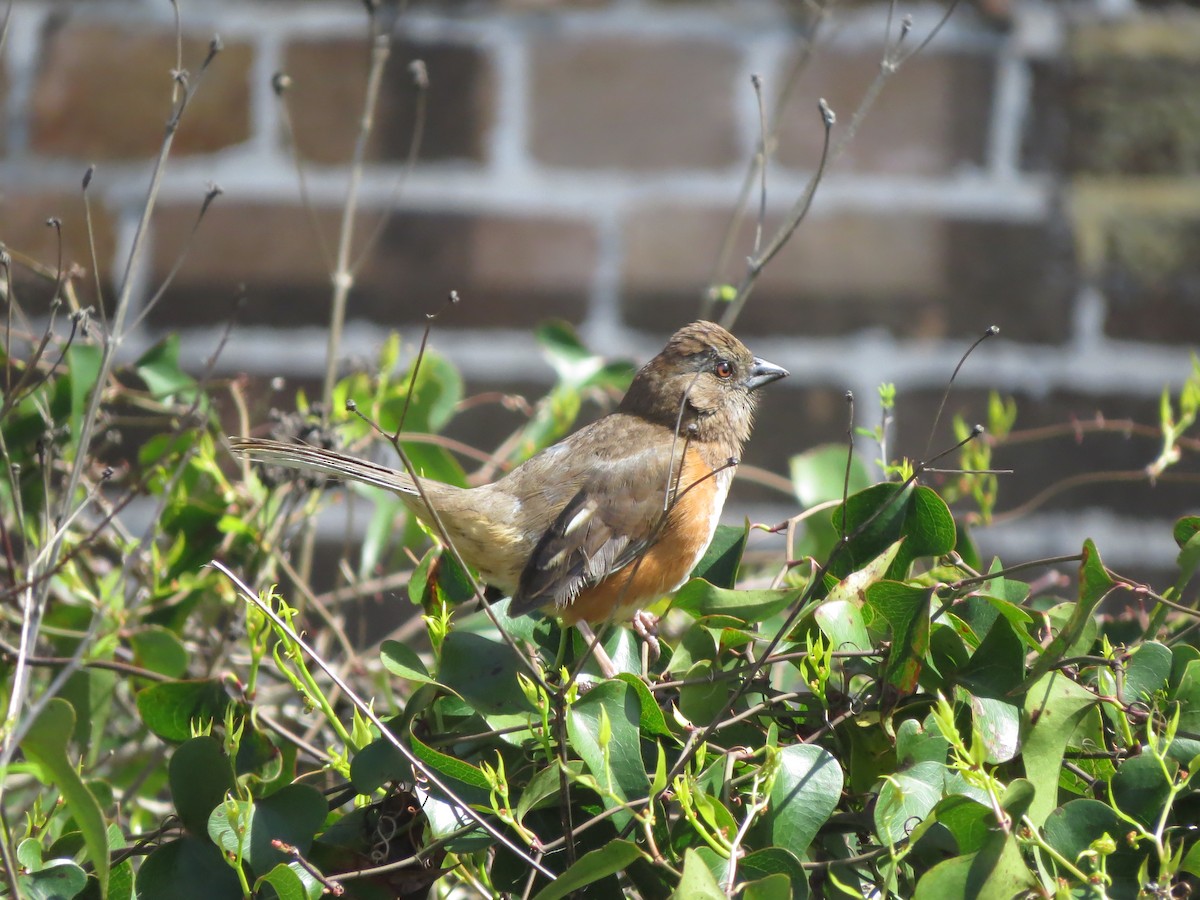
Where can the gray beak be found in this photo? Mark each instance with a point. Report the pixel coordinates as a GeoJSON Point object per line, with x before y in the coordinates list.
{"type": "Point", "coordinates": [763, 372]}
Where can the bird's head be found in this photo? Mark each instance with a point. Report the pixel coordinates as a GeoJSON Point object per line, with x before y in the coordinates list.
{"type": "Point", "coordinates": [704, 377]}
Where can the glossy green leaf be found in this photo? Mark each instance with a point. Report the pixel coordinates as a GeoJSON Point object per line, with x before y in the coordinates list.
{"type": "Point", "coordinates": [885, 513]}
{"type": "Point", "coordinates": [484, 672]}
{"type": "Point", "coordinates": [842, 623]}
{"type": "Point", "coordinates": [1054, 707]}
{"type": "Point", "coordinates": [60, 879]}
{"type": "Point", "coordinates": [377, 764]}
{"type": "Point", "coordinates": [697, 881]}
{"type": "Point", "coordinates": [919, 743]}
{"type": "Point", "coordinates": [171, 708]}
{"type": "Point", "coordinates": [402, 661]}
{"type": "Point", "coordinates": [700, 598]}
{"type": "Point", "coordinates": [618, 768]}
{"type": "Point", "coordinates": [613, 857]}
{"type": "Point", "coordinates": [450, 767]}
{"type": "Point", "coordinates": [720, 563]}
{"type": "Point", "coordinates": [969, 821]}
{"type": "Point", "coordinates": [1094, 585]}
{"type": "Point", "coordinates": [292, 815]}
{"type": "Point", "coordinates": [200, 775]}
{"type": "Point", "coordinates": [292, 882]}
{"type": "Point", "coordinates": [1141, 788]}
{"type": "Point", "coordinates": [906, 798]}
{"type": "Point", "coordinates": [191, 868]}
{"type": "Point", "coordinates": [653, 722]}
{"type": "Point", "coordinates": [819, 474]}
{"type": "Point", "coordinates": [996, 872]}
{"type": "Point", "coordinates": [806, 791]}
{"type": "Point", "coordinates": [1185, 529]}
{"type": "Point", "coordinates": [159, 368]}
{"type": "Point", "coordinates": [1146, 672]}
{"type": "Point", "coordinates": [159, 650]}
{"type": "Point", "coordinates": [999, 726]}
{"type": "Point", "coordinates": [773, 887]}
{"type": "Point", "coordinates": [775, 861]}
{"type": "Point", "coordinates": [45, 745]}
{"type": "Point", "coordinates": [906, 608]}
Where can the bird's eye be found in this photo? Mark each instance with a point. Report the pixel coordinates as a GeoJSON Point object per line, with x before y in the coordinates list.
{"type": "Point", "coordinates": [723, 368]}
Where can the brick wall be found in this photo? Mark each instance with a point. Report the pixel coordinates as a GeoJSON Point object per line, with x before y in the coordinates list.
{"type": "Point", "coordinates": [1037, 167]}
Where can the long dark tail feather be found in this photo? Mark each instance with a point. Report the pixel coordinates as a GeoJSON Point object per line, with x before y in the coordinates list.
{"type": "Point", "coordinates": [318, 459]}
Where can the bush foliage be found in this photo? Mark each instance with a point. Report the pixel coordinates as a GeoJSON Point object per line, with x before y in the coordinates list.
{"type": "Point", "coordinates": [873, 710]}
{"type": "Point", "coordinates": [860, 706]}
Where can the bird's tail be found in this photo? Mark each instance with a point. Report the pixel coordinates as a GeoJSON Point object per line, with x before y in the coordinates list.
{"type": "Point", "coordinates": [318, 459]}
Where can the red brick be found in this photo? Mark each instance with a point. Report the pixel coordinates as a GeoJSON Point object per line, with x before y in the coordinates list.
{"type": "Point", "coordinates": [608, 103]}
{"type": "Point", "coordinates": [1151, 279]}
{"type": "Point", "coordinates": [329, 79]}
{"type": "Point", "coordinates": [1122, 102]}
{"type": "Point", "coordinates": [24, 232]}
{"type": "Point", "coordinates": [1040, 464]}
{"type": "Point", "coordinates": [931, 117]}
{"type": "Point", "coordinates": [510, 272]}
{"type": "Point", "coordinates": [104, 92]}
{"type": "Point", "coordinates": [916, 275]}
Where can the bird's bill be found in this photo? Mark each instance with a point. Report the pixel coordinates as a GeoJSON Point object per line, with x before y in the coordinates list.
{"type": "Point", "coordinates": [763, 372]}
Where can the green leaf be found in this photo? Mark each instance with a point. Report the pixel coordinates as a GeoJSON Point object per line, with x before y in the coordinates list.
{"type": "Point", "coordinates": [1054, 707]}
{"type": "Point", "coordinates": [159, 368]}
{"type": "Point", "coordinates": [200, 775]}
{"type": "Point", "coordinates": [906, 798]}
{"type": "Point", "coordinates": [842, 622]}
{"type": "Point", "coordinates": [449, 766]}
{"type": "Point", "coordinates": [159, 650]}
{"type": "Point", "coordinates": [719, 565]}
{"type": "Point", "coordinates": [969, 821]}
{"type": "Point", "coordinates": [997, 667]}
{"type": "Point", "coordinates": [1071, 828]}
{"type": "Point", "coordinates": [169, 709]}
{"type": "Point", "coordinates": [610, 859]}
{"type": "Point", "coordinates": [403, 661]}
{"type": "Point", "coordinates": [188, 869]}
{"type": "Point", "coordinates": [292, 882]}
{"type": "Point", "coordinates": [999, 726]}
{"type": "Point", "coordinates": [1141, 788]}
{"type": "Point", "coordinates": [773, 887]}
{"type": "Point", "coordinates": [1094, 585]}
{"type": "Point", "coordinates": [618, 768]}
{"type": "Point", "coordinates": [697, 881]}
{"type": "Point", "coordinates": [806, 792]}
{"type": "Point", "coordinates": [906, 608]}
{"type": "Point", "coordinates": [483, 672]}
{"type": "Point", "coordinates": [700, 598]}
{"type": "Point", "coordinates": [60, 879]}
{"type": "Point", "coordinates": [83, 364]}
{"type": "Point", "coordinates": [1186, 529]}
{"type": "Point", "coordinates": [652, 721]}
{"type": "Point", "coordinates": [1146, 672]}
{"type": "Point", "coordinates": [90, 693]}
{"type": "Point", "coordinates": [819, 474]}
{"type": "Point", "coordinates": [773, 861]}
{"type": "Point", "coordinates": [45, 745]}
{"type": "Point", "coordinates": [996, 872]}
{"type": "Point", "coordinates": [292, 815]}
{"type": "Point", "coordinates": [376, 764]}
{"type": "Point", "coordinates": [886, 513]}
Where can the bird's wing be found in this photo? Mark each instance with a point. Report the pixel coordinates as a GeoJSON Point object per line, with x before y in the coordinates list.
{"type": "Point", "coordinates": [318, 459]}
{"type": "Point", "coordinates": [615, 516]}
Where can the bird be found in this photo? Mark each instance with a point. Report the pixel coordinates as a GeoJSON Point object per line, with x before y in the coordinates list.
{"type": "Point", "coordinates": [603, 523]}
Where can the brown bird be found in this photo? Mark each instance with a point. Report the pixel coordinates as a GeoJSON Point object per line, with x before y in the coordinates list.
{"type": "Point", "coordinates": [612, 517]}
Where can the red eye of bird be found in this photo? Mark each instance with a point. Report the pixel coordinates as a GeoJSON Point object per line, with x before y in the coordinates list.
{"type": "Point", "coordinates": [724, 368]}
